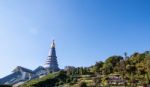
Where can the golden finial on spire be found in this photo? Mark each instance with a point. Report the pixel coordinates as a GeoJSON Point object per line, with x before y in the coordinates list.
{"type": "Point", "coordinates": [53, 44]}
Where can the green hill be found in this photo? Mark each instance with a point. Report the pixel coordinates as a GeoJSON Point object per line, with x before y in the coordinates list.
{"type": "Point", "coordinates": [50, 80]}
{"type": "Point", "coordinates": [115, 71]}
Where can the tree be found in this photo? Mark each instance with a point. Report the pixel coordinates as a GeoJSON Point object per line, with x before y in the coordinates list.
{"type": "Point", "coordinates": [113, 60]}
{"type": "Point", "coordinates": [147, 63]}
{"type": "Point", "coordinates": [82, 84]}
{"type": "Point", "coordinates": [131, 68]}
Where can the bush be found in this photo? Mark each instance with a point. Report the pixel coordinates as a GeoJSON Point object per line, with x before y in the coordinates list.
{"type": "Point", "coordinates": [82, 84]}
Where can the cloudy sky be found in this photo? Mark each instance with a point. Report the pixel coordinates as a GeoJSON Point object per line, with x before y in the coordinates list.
{"type": "Point", "coordinates": [85, 31]}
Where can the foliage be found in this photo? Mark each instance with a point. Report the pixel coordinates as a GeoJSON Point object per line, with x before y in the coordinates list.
{"type": "Point", "coordinates": [50, 80]}
{"type": "Point", "coordinates": [133, 70]}
{"type": "Point", "coordinates": [82, 84]}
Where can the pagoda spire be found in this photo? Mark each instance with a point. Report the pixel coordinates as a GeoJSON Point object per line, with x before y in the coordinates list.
{"type": "Point", "coordinates": [51, 63]}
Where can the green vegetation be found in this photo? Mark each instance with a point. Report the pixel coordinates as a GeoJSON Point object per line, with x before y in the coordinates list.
{"type": "Point", "coordinates": [50, 80]}
{"type": "Point", "coordinates": [115, 71]}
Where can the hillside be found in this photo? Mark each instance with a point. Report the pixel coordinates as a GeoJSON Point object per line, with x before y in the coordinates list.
{"type": "Point", "coordinates": [115, 71]}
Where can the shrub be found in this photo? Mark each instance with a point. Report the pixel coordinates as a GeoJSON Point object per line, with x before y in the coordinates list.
{"type": "Point", "coordinates": [82, 84]}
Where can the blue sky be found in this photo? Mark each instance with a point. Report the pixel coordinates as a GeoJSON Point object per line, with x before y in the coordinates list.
{"type": "Point", "coordinates": [85, 31]}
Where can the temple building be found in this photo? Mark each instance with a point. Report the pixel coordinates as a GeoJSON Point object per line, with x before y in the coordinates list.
{"type": "Point", "coordinates": [51, 63]}
{"type": "Point", "coordinates": [21, 74]}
